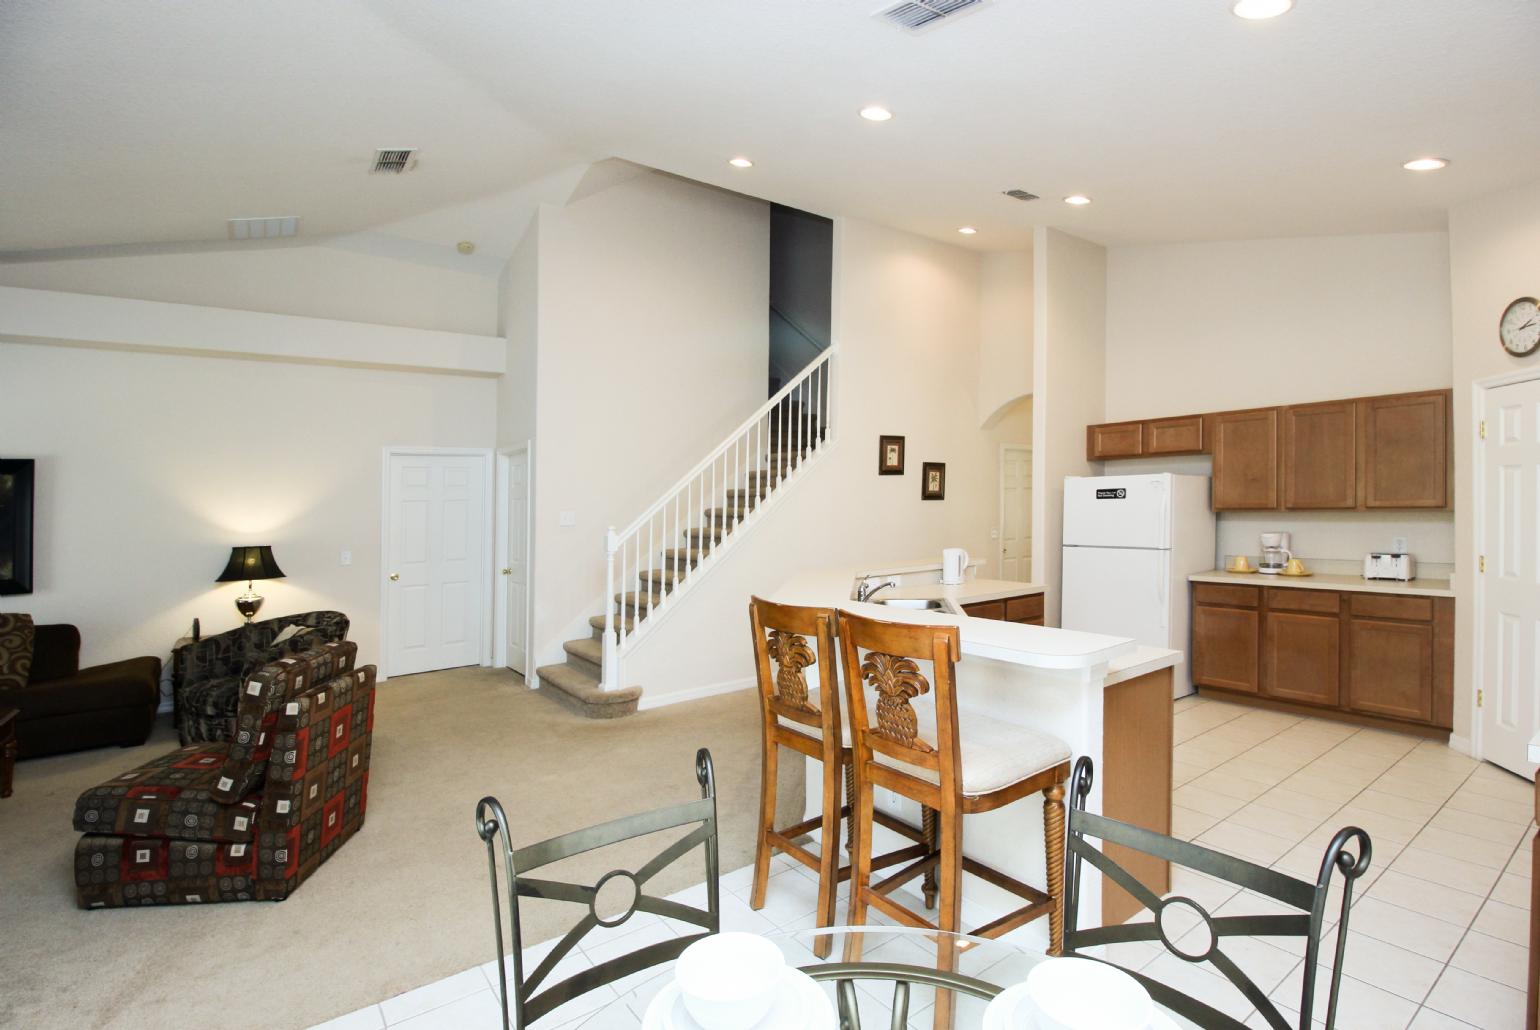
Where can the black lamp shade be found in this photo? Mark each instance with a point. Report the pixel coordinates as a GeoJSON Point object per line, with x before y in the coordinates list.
{"type": "Point", "coordinates": [247, 563]}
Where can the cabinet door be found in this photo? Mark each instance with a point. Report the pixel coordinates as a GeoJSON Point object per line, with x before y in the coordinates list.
{"type": "Point", "coordinates": [1320, 456]}
{"type": "Point", "coordinates": [1246, 460]}
{"type": "Point", "coordinates": [1028, 609]}
{"type": "Point", "coordinates": [1114, 440]}
{"type": "Point", "coordinates": [1174, 435]}
{"type": "Point", "coordinates": [1224, 647]}
{"type": "Point", "coordinates": [1301, 657]}
{"type": "Point", "coordinates": [1404, 441]}
{"type": "Point", "coordinates": [986, 610]}
{"type": "Point", "coordinates": [1390, 669]}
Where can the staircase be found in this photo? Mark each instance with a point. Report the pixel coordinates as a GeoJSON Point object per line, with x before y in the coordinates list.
{"type": "Point", "coordinates": [653, 564]}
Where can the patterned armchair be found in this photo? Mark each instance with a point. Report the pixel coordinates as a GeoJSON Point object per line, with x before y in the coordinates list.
{"type": "Point", "coordinates": [206, 674]}
{"type": "Point", "coordinates": [242, 820]}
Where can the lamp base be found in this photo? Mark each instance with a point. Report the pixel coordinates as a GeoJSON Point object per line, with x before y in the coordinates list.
{"type": "Point", "coordinates": [249, 603]}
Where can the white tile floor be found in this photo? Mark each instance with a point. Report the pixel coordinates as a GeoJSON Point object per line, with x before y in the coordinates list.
{"type": "Point", "coordinates": [1439, 928]}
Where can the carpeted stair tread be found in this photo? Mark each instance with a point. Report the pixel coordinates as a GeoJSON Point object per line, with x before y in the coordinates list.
{"type": "Point", "coordinates": [586, 649]}
{"type": "Point", "coordinates": [692, 555]}
{"type": "Point", "coordinates": [625, 621]}
{"type": "Point", "coordinates": [637, 600]}
{"type": "Point", "coordinates": [581, 692]}
{"type": "Point", "coordinates": [667, 576]}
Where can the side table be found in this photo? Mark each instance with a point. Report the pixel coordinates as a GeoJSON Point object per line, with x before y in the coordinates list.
{"type": "Point", "coordinates": [7, 749]}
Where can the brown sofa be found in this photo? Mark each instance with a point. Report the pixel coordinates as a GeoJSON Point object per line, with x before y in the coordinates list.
{"type": "Point", "coordinates": [64, 707]}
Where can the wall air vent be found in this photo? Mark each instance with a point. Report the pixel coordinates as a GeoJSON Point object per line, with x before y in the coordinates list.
{"type": "Point", "coordinates": [1020, 194]}
{"type": "Point", "coordinates": [262, 228]}
{"type": "Point", "coordinates": [915, 15]}
{"type": "Point", "coordinates": [394, 162]}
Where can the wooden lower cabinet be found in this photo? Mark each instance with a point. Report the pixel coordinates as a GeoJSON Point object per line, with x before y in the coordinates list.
{"type": "Point", "coordinates": [1373, 658]}
{"type": "Point", "coordinates": [1025, 608]}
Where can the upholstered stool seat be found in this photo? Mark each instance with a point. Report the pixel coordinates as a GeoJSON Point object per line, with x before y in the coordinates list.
{"type": "Point", "coordinates": [995, 754]}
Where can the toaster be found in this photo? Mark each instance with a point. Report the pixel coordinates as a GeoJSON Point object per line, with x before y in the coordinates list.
{"type": "Point", "coordinates": [1384, 565]}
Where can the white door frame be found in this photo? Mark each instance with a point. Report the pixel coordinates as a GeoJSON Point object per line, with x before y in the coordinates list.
{"type": "Point", "coordinates": [1000, 506]}
{"type": "Point", "coordinates": [387, 453]}
{"type": "Point", "coordinates": [500, 595]}
{"type": "Point", "coordinates": [1478, 394]}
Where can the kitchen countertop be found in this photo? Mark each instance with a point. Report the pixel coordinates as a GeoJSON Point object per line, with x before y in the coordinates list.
{"type": "Point", "coordinates": [1143, 659]}
{"type": "Point", "coordinates": [1325, 581]}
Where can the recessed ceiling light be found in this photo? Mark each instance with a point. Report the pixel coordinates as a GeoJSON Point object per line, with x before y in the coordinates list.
{"type": "Point", "coordinates": [967, 230]}
{"type": "Point", "coordinates": [740, 162]}
{"type": "Point", "coordinates": [876, 114]}
{"type": "Point", "coordinates": [1425, 164]}
{"type": "Point", "coordinates": [1259, 10]}
{"type": "Point", "coordinates": [1078, 199]}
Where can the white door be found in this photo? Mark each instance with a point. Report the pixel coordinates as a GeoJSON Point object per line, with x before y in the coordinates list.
{"type": "Point", "coordinates": [1510, 586]}
{"type": "Point", "coordinates": [436, 563]}
{"type": "Point", "coordinates": [516, 572]}
{"type": "Point", "coordinates": [1015, 512]}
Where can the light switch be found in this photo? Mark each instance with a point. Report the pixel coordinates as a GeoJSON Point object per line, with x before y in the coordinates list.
{"type": "Point", "coordinates": [1398, 545]}
{"type": "Point", "coordinates": [346, 559]}
{"type": "Point", "coordinates": [568, 518]}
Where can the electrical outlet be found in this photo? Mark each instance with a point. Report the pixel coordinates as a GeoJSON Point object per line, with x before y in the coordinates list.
{"type": "Point", "coordinates": [1398, 545]}
{"type": "Point", "coordinates": [567, 518]}
{"type": "Point", "coordinates": [346, 559]}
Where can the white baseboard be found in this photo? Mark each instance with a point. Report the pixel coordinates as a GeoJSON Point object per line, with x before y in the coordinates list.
{"type": "Point", "coordinates": [1460, 744]}
{"type": "Point", "coordinates": [709, 690]}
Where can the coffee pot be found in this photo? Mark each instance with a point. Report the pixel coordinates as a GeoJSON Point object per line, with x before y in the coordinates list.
{"type": "Point", "coordinates": [1275, 553]}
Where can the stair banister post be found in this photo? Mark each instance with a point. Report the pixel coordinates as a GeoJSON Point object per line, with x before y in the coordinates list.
{"type": "Point", "coordinates": [611, 655]}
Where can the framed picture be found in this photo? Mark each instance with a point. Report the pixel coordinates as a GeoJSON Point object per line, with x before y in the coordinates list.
{"type": "Point", "coordinates": [16, 478]}
{"type": "Point", "coordinates": [890, 455]}
{"type": "Point", "coordinates": [933, 481]}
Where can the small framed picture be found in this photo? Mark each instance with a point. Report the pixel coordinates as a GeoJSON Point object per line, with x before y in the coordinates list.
{"type": "Point", "coordinates": [890, 455]}
{"type": "Point", "coordinates": [933, 481]}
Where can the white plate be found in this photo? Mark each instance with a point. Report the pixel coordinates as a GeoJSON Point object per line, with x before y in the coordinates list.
{"type": "Point", "coordinates": [1010, 1011]}
{"type": "Point", "coordinates": [799, 1005]}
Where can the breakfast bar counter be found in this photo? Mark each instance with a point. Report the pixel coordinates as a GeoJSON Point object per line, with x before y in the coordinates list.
{"type": "Point", "coordinates": [1104, 696]}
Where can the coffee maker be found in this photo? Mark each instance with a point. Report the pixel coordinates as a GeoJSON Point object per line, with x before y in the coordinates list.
{"type": "Point", "coordinates": [1275, 553]}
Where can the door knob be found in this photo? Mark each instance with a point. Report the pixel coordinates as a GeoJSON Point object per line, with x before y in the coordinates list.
{"type": "Point", "coordinates": [395, 576]}
{"type": "Point", "coordinates": [507, 572]}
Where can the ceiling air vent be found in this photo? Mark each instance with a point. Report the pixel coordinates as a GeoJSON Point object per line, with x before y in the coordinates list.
{"type": "Point", "coordinates": [262, 228]}
{"type": "Point", "coordinates": [394, 162]}
{"type": "Point", "coordinates": [915, 15]}
{"type": "Point", "coordinates": [1020, 194]}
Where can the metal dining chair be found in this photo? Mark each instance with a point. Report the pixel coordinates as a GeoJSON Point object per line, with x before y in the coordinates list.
{"type": "Point", "coordinates": [1307, 899]}
{"type": "Point", "coordinates": [531, 998]}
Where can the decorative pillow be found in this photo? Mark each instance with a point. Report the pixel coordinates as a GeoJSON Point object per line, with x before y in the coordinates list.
{"type": "Point", "coordinates": [16, 636]}
{"type": "Point", "coordinates": [290, 632]}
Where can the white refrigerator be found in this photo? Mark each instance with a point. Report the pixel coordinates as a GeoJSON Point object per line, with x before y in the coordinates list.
{"type": "Point", "coordinates": [1130, 542]}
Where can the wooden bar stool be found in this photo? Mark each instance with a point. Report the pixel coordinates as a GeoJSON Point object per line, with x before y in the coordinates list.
{"type": "Point", "coordinates": [794, 639]}
{"type": "Point", "coordinates": [955, 765]}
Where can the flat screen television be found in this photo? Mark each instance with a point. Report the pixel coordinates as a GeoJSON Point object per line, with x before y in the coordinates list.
{"type": "Point", "coordinates": [16, 486]}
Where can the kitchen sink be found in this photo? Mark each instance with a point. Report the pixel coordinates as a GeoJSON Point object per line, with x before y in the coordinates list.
{"type": "Point", "coordinates": [919, 604]}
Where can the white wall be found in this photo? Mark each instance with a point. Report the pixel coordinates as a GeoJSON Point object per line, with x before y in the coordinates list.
{"type": "Point", "coordinates": [653, 345]}
{"type": "Point", "coordinates": [519, 323]}
{"type": "Point", "coordinates": [151, 466]}
{"type": "Point", "coordinates": [1005, 331]}
{"type": "Point", "coordinates": [906, 322]}
{"type": "Point", "coordinates": [1069, 377]}
{"type": "Point", "coordinates": [315, 280]}
{"type": "Point", "coordinates": [1198, 327]}
{"type": "Point", "coordinates": [1494, 246]}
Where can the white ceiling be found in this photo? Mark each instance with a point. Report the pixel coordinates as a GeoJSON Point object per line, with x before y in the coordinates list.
{"type": "Point", "coordinates": [154, 121]}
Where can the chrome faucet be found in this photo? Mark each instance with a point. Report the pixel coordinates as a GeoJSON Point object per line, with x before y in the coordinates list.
{"type": "Point", "coordinates": [865, 591]}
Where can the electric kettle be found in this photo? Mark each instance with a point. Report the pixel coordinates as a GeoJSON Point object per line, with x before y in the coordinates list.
{"type": "Point", "coordinates": [954, 564]}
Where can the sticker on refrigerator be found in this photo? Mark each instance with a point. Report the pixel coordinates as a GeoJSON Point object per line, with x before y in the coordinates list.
{"type": "Point", "coordinates": [1111, 495]}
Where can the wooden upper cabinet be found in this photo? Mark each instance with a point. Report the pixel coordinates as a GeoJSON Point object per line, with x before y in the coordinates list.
{"type": "Point", "coordinates": [1114, 440]}
{"type": "Point", "coordinates": [1320, 456]}
{"type": "Point", "coordinates": [1174, 435]}
{"type": "Point", "coordinates": [1245, 445]}
{"type": "Point", "coordinates": [1404, 450]}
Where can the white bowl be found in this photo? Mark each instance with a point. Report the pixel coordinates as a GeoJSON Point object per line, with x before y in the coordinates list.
{"type": "Point", "coordinates": [729, 980]}
{"type": "Point", "coordinates": [1079, 994]}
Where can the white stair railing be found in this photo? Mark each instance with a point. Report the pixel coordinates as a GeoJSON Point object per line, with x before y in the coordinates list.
{"type": "Point", "coordinates": [655, 560]}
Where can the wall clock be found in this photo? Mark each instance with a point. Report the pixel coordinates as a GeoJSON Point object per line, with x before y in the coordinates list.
{"type": "Point", "coordinates": [1519, 328]}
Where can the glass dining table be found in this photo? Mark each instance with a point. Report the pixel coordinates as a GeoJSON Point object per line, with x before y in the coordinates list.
{"type": "Point", "coordinates": [873, 970]}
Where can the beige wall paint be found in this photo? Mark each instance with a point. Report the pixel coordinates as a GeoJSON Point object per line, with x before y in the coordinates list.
{"type": "Point", "coordinates": [653, 326]}
{"type": "Point", "coordinates": [302, 279]}
{"type": "Point", "coordinates": [1198, 327]}
{"type": "Point", "coordinates": [1069, 377]}
{"type": "Point", "coordinates": [1494, 247]}
{"type": "Point", "coordinates": [906, 322]}
{"type": "Point", "coordinates": [151, 466]}
{"type": "Point", "coordinates": [1005, 331]}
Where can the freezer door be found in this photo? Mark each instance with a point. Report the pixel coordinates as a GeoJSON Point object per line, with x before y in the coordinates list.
{"type": "Point", "coordinates": [1117, 511]}
{"type": "Point", "coordinates": [1119, 591]}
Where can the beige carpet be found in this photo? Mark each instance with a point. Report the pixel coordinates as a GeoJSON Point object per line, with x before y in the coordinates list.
{"type": "Point", "coordinates": [405, 903]}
